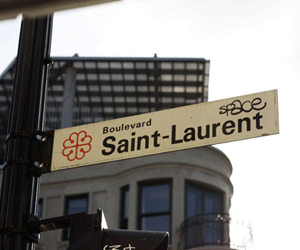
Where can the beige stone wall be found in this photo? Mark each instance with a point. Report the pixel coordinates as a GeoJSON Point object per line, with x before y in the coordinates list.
{"type": "Point", "coordinates": [206, 166]}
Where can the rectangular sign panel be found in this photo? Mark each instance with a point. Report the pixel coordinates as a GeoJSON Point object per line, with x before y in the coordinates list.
{"type": "Point", "coordinates": [168, 130]}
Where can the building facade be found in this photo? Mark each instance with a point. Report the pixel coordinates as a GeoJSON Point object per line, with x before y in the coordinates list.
{"type": "Point", "coordinates": [186, 193]}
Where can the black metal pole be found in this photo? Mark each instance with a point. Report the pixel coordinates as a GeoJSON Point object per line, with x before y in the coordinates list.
{"type": "Point", "coordinates": [20, 183]}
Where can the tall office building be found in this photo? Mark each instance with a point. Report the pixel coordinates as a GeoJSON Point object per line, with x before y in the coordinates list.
{"type": "Point", "coordinates": [186, 192]}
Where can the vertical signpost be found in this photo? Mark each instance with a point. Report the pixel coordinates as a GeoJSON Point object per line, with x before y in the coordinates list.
{"type": "Point", "coordinates": [20, 181]}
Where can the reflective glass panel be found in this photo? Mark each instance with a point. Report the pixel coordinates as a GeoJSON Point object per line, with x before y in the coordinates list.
{"type": "Point", "coordinates": [155, 198]}
{"type": "Point", "coordinates": [156, 223]}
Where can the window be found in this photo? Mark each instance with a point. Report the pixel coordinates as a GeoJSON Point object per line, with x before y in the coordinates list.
{"type": "Point", "coordinates": [200, 200]}
{"type": "Point", "coordinates": [73, 205]}
{"type": "Point", "coordinates": [124, 207]}
{"type": "Point", "coordinates": [155, 206]}
{"type": "Point", "coordinates": [40, 208]}
{"type": "Point", "coordinates": [204, 207]}
{"type": "Point", "coordinates": [39, 213]}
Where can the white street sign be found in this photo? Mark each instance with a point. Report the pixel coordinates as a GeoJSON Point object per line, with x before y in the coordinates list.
{"type": "Point", "coordinates": [168, 130]}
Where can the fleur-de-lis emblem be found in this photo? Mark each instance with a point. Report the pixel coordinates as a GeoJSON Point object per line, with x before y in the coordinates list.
{"type": "Point", "coordinates": [77, 145]}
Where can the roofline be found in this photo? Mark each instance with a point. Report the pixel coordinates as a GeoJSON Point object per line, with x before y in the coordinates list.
{"type": "Point", "coordinates": [128, 59]}
{"type": "Point", "coordinates": [171, 59]}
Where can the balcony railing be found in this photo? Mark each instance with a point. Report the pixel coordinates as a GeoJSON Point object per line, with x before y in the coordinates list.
{"type": "Point", "coordinates": [205, 230]}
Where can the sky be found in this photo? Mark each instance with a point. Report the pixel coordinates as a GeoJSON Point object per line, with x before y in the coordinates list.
{"type": "Point", "coordinates": [252, 45]}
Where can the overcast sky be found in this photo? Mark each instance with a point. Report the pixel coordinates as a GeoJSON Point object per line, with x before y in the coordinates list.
{"type": "Point", "coordinates": [253, 46]}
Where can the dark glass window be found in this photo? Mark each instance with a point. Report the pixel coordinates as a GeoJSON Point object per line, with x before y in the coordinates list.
{"type": "Point", "coordinates": [155, 206]}
{"type": "Point", "coordinates": [39, 211]}
{"type": "Point", "coordinates": [40, 208]}
{"type": "Point", "coordinates": [203, 206]}
{"type": "Point", "coordinates": [73, 205]}
{"type": "Point", "coordinates": [200, 200]}
{"type": "Point", "coordinates": [124, 207]}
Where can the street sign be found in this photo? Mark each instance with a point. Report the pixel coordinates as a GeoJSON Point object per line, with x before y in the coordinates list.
{"type": "Point", "coordinates": [163, 131]}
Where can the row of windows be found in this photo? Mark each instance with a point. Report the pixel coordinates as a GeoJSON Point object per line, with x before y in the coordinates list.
{"type": "Point", "coordinates": [155, 205]}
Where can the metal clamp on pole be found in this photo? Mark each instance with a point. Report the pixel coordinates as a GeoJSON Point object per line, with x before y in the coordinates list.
{"type": "Point", "coordinates": [43, 152]}
{"type": "Point", "coordinates": [40, 161]}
